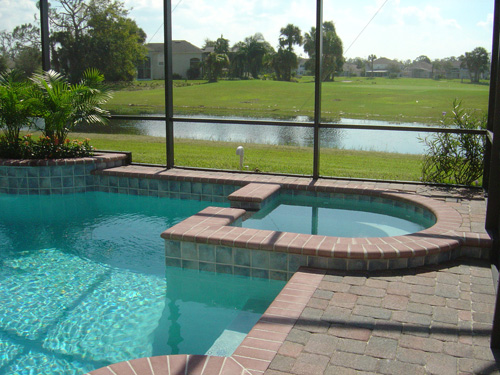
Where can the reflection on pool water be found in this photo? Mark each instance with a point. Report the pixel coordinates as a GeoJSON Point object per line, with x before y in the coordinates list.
{"type": "Point", "coordinates": [83, 284]}
{"type": "Point", "coordinates": [344, 216]}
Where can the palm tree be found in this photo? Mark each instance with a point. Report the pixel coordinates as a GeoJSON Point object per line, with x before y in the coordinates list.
{"type": "Point", "coordinates": [371, 59]}
{"type": "Point", "coordinates": [286, 59]}
{"type": "Point", "coordinates": [217, 60]}
{"type": "Point", "coordinates": [289, 36]}
{"type": "Point", "coordinates": [256, 48]}
{"type": "Point", "coordinates": [333, 59]}
{"type": "Point", "coordinates": [63, 105]}
{"type": "Point", "coordinates": [215, 63]}
{"type": "Point", "coordinates": [239, 60]}
{"type": "Point", "coordinates": [282, 62]}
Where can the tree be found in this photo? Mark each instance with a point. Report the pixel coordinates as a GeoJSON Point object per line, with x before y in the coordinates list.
{"type": "Point", "coordinates": [221, 45]}
{"type": "Point", "coordinates": [22, 47]}
{"type": "Point", "coordinates": [95, 33]}
{"type": "Point", "coordinates": [256, 48]}
{"type": "Point", "coordinates": [333, 59]}
{"type": "Point", "coordinates": [69, 42]}
{"type": "Point", "coordinates": [394, 70]}
{"type": "Point", "coordinates": [218, 60]}
{"type": "Point", "coordinates": [477, 62]}
{"type": "Point", "coordinates": [3, 63]}
{"type": "Point", "coordinates": [371, 59]}
{"type": "Point", "coordinates": [285, 60]}
{"type": "Point", "coordinates": [28, 60]}
{"type": "Point", "coordinates": [248, 56]}
{"type": "Point", "coordinates": [423, 58]}
{"type": "Point", "coordinates": [290, 36]}
{"type": "Point", "coordinates": [239, 65]}
{"type": "Point", "coordinates": [116, 42]}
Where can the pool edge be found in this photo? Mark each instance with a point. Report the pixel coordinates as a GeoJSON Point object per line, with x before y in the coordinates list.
{"type": "Point", "coordinates": [439, 243]}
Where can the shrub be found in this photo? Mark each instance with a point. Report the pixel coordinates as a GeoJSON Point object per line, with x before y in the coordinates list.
{"type": "Point", "coordinates": [15, 106]}
{"type": "Point", "coordinates": [63, 105]}
{"type": "Point", "coordinates": [455, 158]}
{"type": "Point", "coordinates": [193, 73]}
{"type": "Point", "coordinates": [44, 148]}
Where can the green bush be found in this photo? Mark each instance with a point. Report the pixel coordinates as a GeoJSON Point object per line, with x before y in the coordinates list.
{"type": "Point", "coordinates": [16, 105]}
{"type": "Point", "coordinates": [44, 148]}
{"type": "Point", "coordinates": [63, 105]}
{"type": "Point", "coordinates": [60, 104]}
{"type": "Point", "coordinates": [455, 158]}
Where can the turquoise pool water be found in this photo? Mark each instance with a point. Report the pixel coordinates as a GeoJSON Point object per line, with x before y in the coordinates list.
{"type": "Point", "coordinates": [344, 216]}
{"type": "Point", "coordinates": [83, 284]}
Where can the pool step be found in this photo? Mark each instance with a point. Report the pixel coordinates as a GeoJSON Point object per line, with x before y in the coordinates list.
{"type": "Point", "coordinates": [253, 196]}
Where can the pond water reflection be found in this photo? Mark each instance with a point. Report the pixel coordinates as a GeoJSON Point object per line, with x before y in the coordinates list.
{"type": "Point", "coordinates": [351, 139]}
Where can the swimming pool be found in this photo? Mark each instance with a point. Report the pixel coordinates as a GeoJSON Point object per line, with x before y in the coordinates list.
{"type": "Point", "coordinates": [83, 284]}
{"type": "Point", "coordinates": [341, 215]}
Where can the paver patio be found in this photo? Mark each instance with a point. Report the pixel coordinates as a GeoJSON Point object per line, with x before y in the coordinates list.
{"type": "Point", "coordinates": [432, 320]}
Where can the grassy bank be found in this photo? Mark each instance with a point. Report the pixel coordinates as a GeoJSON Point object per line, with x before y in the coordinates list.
{"type": "Point", "coordinates": [264, 158]}
{"type": "Point", "coordinates": [404, 99]}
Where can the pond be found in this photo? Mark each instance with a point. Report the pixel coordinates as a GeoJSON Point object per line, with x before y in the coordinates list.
{"type": "Point", "coordinates": [349, 139]}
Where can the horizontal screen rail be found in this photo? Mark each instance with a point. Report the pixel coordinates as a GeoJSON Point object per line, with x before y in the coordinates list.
{"type": "Point", "coordinates": [420, 129]}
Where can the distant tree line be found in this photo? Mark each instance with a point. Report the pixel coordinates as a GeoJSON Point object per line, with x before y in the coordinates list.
{"type": "Point", "coordinates": [254, 57]}
{"type": "Point", "coordinates": [476, 62]}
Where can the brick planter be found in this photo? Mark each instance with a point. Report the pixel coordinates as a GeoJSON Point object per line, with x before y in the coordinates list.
{"type": "Point", "coordinates": [57, 176]}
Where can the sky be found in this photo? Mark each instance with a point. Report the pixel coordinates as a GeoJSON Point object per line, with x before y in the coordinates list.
{"type": "Point", "coordinates": [396, 29]}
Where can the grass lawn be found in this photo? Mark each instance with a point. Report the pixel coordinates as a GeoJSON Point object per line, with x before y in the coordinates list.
{"type": "Point", "coordinates": [263, 158]}
{"type": "Point", "coordinates": [402, 100]}
{"type": "Point", "coordinates": [399, 100]}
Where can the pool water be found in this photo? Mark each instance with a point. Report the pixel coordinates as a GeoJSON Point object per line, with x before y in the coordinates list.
{"type": "Point", "coordinates": [83, 284]}
{"type": "Point", "coordinates": [346, 216]}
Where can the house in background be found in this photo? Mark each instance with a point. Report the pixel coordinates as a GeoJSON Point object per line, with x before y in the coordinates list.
{"type": "Point", "coordinates": [351, 70]}
{"type": "Point", "coordinates": [301, 67]}
{"type": "Point", "coordinates": [457, 71]}
{"type": "Point", "coordinates": [419, 69]}
{"type": "Point", "coordinates": [383, 67]}
{"type": "Point", "coordinates": [184, 56]}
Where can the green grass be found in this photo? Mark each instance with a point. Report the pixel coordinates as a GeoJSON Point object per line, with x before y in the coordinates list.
{"type": "Point", "coordinates": [263, 158]}
{"type": "Point", "coordinates": [402, 100]}
{"type": "Point", "coordinates": [399, 100]}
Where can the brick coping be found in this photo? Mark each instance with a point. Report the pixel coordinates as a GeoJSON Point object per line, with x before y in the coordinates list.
{"type": "Point", "coordinates": [97, 158]}
{"type": "Point", "coordinates": [443, 236]}
{"type": "Point", "coordinates": [253, 356]}
{"type": "Point", "coordinates": [212, 226]}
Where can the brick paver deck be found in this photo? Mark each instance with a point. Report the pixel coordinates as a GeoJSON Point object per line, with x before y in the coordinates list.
{"type": "Point", "coordinates": [433, 320]}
